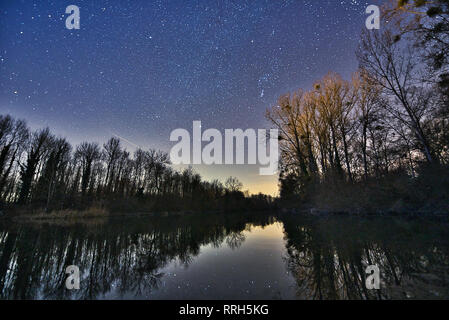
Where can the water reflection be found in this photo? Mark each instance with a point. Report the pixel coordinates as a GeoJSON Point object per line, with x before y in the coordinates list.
{"type": "Point", "coordinates": [298, 258]}
{"type": "Point", "coordinates": [328, 257]}
{"type": "Point", "coordinates": [124, 256]}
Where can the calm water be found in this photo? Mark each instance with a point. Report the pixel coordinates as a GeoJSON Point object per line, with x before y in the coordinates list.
{"type": "Point", "coordinates": [226, 257]}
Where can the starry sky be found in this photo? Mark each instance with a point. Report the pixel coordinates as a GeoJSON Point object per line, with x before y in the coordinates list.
{"type": "Point", "coordinates": [140, 69]}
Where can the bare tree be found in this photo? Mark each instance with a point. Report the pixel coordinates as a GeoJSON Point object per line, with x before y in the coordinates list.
{"type": "Point", "coordinates": [40, 142]}
{"type": "Point", "coordinates": [14, 135]}
{"type": "Point", "coordinates": [393, 66]}
{"type": "Point", "coordinates": [233, 184]}
{"type": "Point", "coordinates": [111, 154]}
{"type": "Point", "coordinates": [87, 153]}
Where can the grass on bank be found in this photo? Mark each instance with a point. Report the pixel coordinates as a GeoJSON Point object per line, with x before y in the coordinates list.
{"type": "Point", "coordinates": [68, 214]}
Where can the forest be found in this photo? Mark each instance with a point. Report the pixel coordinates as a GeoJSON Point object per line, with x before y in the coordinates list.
{"type": "Point", "coordinates": [40, 172]}
{"type": "Point", "coordinates": [379, 141]}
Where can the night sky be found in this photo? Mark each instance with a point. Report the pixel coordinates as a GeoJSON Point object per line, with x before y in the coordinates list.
{"type": "Point", "coordinates": [140, 69]}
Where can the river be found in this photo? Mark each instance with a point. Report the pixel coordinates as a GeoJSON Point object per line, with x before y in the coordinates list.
{"type": "Point", "coordinates": [226, 256]}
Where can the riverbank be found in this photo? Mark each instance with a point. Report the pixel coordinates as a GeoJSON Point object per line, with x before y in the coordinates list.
{"type": "Point", "coordinates": [97, 215]}
{"type": "Point", "coordinates": [36, 215]}
{"type": "Point", "coordinates": [88, 214]}
{"type": "Point", "coordinates": [316, 212]}
{"type": "Point", "coordinates": [395, 194]}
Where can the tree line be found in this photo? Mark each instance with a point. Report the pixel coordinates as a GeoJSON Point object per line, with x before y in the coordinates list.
{"type": "Point", "coordinates": [381, 129]}
{"type": "Point", "coordinates": [39, 170]}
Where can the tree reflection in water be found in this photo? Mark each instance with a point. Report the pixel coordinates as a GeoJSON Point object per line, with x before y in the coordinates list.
{"type": "Point", "coordinates": [122, 255]}
{"type": "Point", "coordinates": [328, 257]}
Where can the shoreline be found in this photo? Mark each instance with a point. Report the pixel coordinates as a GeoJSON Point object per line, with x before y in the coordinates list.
{"type": "Point", "coordinates": [89, 214]}
{"type": "Point", "coordinates": [69, 216]}
{"type": "Point", "coordinates": [315, 212]}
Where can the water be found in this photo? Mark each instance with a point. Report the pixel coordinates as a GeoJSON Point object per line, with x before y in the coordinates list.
{"type": "Point", "coordinates": [245, 256]}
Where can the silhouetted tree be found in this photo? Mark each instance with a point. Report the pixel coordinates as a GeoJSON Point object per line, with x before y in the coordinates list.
{"type": "Point", "coordinates": [233, 184]}
{"type": "Point", "coordinates": [40, 142]}
{"type": "Point", "coordinates": [87, 153]}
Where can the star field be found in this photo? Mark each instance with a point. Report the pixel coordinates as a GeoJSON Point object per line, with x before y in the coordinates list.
{"type": "Point", "coordinates": [140, 69]}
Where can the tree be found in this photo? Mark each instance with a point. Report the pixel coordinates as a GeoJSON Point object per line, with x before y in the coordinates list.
{"type": "Point", "coordinates": [87, 153]}
{"type": "Point", "coordinates": [40, 142]}
{"type": "Point", "coordinates": [393, 67]}
{"type": "Point", "coordinates": [430, 21]}
{"type": "Point", "coordinates": [286, 116]}
{"type": "Point", "coordinates": [426, 23]}
{"type": "Point", "coordinates": [53, 172]}
{"type": "Point", "coordinates": [366, 110]}
{"type": "Point", "coordinates": [111, 154]}
{"type": "Point", "coordinates": [14, 135]}
{"type": "Point", "coordinates": [233, 184]}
